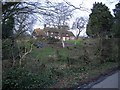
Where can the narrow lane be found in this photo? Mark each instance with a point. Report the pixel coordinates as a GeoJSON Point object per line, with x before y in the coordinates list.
{"type": "Point", "coordinates": [110, 82]}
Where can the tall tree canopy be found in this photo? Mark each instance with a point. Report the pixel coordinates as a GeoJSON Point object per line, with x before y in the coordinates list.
{"type": "Point", "coordinates": [8, 11]}
{"type": "Point", "coordinates": [116, 24]}
{"type": "Point", "coordinates": [100, 21]}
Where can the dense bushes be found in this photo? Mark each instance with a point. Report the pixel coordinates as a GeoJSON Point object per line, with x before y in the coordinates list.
{"type": "Point", "coordinates": [21, 78]}
{"type": "Point", "coordinates": [52, 40]}
{"type": "Point", "coordinates": [109, 50]}
{"type": "Point", "coordinates": [46, 66]}
{"type": "Point", "coordinates": [7, 51]}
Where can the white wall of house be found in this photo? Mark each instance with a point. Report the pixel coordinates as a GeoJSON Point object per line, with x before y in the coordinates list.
{"type": "Point", "coordinates": [59, 37]}
{"type": "Point", "coordinates": [63, 38]}
{"type": "Point", "coordinates": [72, 38]}
{"type": "Point", "coordinates": [56, 37]}
{"type": "Point", "coordinates": [67, 38]}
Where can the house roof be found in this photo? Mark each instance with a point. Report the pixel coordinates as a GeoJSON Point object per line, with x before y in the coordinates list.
{"type": "Point", "coordinates": [39, 32]}
{"type": "Point", "coordinates": [42, 32]}
{"type": "Point", "coordinates": [61, 31]}
{"type": "Point", "coordinates": [51, 29]}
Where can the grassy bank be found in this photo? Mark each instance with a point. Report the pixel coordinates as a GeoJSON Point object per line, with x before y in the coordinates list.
{"type": "Point", "coordinates": [56, 67]}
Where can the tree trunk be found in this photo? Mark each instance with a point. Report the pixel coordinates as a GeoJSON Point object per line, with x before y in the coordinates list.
{"type": "Point", "coordinates": [78, 34]}
{"type": "Point", "coordinates": [13, 57]}
{"type": "Point", "coordinates": [23, 56]}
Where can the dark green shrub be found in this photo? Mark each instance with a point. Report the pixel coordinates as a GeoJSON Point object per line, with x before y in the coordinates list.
{"type": "Point", "coordinates": [57, 72]}
{"type": "Point", "coordinates": [21, 78]}
{"type": "Point", "coordinates": [78, 69]}
{"type": "Point", "coordinates": [52, 40]}
{"type": "Point", "coordinates": [7, 51]}
{"type": "Point", "coordinates": [71, 61]}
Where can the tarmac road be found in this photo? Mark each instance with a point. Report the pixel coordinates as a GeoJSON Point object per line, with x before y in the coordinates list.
{"type": "Point", "coordinates": [110, 82]}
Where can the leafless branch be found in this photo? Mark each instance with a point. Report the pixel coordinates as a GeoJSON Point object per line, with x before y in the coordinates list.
{"type": "Point", "coordinates": [26, 53]}
{"type": "Point", "coordinates": [78, 8]}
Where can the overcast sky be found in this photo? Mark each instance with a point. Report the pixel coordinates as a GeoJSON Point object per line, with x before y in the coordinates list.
{"type": "Point", "coordinates": [85, 3]}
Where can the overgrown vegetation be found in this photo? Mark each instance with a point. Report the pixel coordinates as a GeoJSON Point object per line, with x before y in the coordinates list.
{"type": "Point", "coordinates": [22, 78]}
{"type": "Point", "coordinates": [27, 66]}
{"type": "Point", "coordinates": [58, 67]}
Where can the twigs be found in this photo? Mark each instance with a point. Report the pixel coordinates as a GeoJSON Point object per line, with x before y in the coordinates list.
{"type": "Point", "coordinates": [78, 8]}
{"type": "Point", "coordinates": [26, 53]}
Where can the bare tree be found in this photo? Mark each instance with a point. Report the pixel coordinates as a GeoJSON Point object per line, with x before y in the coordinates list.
{"type": "Point", "coordinates": [81, 7]}
{"type": "Point", "coordinates": [26, 52]}
{"type": "Point", "coordinates": [79, 25]}
{"type": "Point", "coordinates": [23, 15]}
{"type": "Point", "coordinates": [23, 23]}
{"type": "Point", "coordinates": [58, 14]}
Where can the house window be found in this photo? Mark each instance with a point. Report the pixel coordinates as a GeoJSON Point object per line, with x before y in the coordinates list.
{"type": "Point", "coordinates": [67, 34]}
{"type": "Point", "coordinates": [59, 37]}
{"type": "Point", "coordinates": [52, 33]}
{"type": "Point", "coordinates": [55, 37]}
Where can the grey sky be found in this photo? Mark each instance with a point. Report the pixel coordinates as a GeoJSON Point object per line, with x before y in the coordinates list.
{"type": "Point", "coordinates": [78, 13]}
{"type": "Point", "coordinates": [85, 3]}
